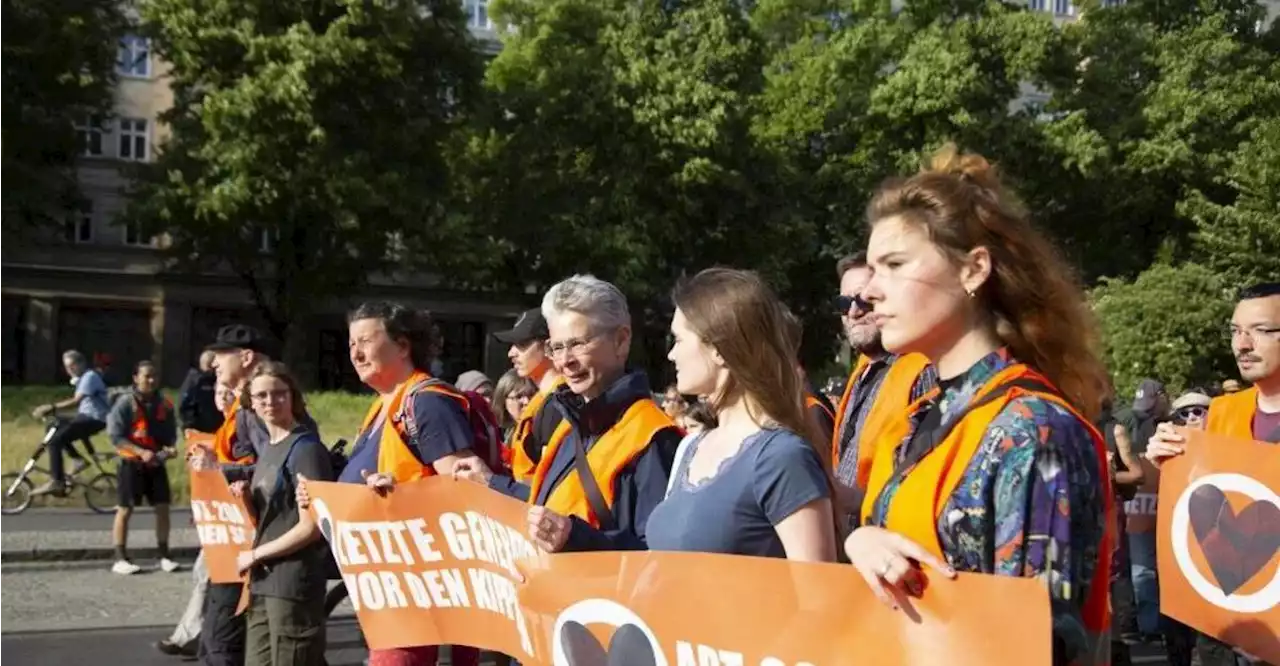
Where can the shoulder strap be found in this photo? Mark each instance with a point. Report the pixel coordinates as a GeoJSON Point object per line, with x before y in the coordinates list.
{"type": "Point", "coordinates": [284, 482]}
{"type": "Point", "coordinates": [589, 484]}
{"type": "Point", "coordinates": [915, 453]}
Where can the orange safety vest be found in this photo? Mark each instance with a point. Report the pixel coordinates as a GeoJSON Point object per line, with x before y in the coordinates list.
{"type": "Point", "coordinates": [811, 401]}
{"type": "Point", "coordinates": [616, 448]}
{"type": "Point", "coordinates": [141, 432]}
{"type": "Point", "coordinates": [922, 496]}
{"type": "Point", "coordinates": [891, 400]}
{"type": "Point", "coordinates": [1232, 414]}
{"type": "Point", "coordinates": [226, 436]}
{"type": "Point", "coordinates": [394, 455]}
{"type": "Point", "coordinates": [522, 465]}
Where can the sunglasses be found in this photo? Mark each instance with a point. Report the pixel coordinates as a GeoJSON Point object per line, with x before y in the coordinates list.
{"type": "Point", "coordinates": [1197, 412]}
{"type": "Point", "coordinates": [843, 304]}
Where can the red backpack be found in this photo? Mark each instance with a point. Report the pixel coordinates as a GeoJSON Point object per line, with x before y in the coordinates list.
{"type": "Point", "coordinates": [486, 440]}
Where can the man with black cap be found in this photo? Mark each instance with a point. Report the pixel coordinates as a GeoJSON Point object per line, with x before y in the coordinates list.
{"type": "Point", "coordinates": [1138, 424]}
{"type": "Point", "coordinates": [238, 350]}
{"type": "Point", "coordinates": [529, 358]}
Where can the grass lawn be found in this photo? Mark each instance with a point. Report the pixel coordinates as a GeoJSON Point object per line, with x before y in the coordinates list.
{"type": "Point", "coordinates": [338, 414]}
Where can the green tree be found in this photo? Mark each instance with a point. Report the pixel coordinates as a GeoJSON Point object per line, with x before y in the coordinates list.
{"type": "Point", "coordinates": [1169, 323]}
{"type": "Point", "coordinates": [1242, 239]}
{"type": "Point", "coordinates": [59, 70]}
{"type": "Point", "coordinates": [315, 128]}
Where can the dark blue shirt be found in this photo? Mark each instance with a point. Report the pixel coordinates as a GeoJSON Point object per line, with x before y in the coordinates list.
{"type": "Point", "coordinates": [734, 511]}
{"type": "Point", "coordinates": [440, 428]}
{"type": "Point", "coordinates": [637, 489]}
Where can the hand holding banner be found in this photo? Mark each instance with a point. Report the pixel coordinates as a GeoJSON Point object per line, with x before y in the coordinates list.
{"type": "Point", "coordinates": [224, 524]}
{"type": "Point", "coordinates": [446, 562]}
{"type": "Point", "coordinates": [1219, 540]}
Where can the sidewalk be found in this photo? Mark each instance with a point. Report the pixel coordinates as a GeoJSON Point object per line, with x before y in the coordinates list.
{"type": "Point", "coordinates": [55, 535]}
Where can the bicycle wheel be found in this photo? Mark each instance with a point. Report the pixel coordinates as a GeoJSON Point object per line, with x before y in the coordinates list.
{"type": "Point", "coordinates": [100, 493]}
{"type": "Point", "coordinates": [19, 499]}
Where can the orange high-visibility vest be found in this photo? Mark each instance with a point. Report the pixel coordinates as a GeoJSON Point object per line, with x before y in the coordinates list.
{"type": "Point", "coordinates": [522, 465]}
{"type": "Point", "coordinates": [1232, 414]}
{"type": "Point", "coordinates": [394, 455]}
{"type": "Point", "coordinates": [922, 495]}
{"type": "Point", "coordinates": [225, 437]}
{"type": "Point", "coordinates": [616, 448]}
{"type": "Point", "coordinates": [140, 434]}
{"type": "Point", "coordinates": [890, 402]}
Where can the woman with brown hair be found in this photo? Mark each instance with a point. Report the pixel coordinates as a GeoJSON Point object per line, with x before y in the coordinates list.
{"type": "Point", "coordinates": [999, 470]}
{"type": "Point", "coordinates": [510, 397]}
{"type": "Point", "coordinates": [755, 483]}
{"type": "Point", "coordinates": [286, 617]}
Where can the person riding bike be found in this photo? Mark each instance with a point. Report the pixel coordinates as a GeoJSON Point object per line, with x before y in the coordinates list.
{"type": "Point", "coordinates": [90, 401]}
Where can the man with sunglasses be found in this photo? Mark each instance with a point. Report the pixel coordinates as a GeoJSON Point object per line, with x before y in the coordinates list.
{"type": "Point", "coordinates": [880, 387]}
{"type": "Point", "coordinates": [528, 354]}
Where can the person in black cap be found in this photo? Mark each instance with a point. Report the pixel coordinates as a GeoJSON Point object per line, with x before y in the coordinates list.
{"type": "Point", "coordinates": [529, 357]}
{"type": "Point", "coordinates": [1150, 408]}
{"type": "Point", "coordinates": [238, 349]}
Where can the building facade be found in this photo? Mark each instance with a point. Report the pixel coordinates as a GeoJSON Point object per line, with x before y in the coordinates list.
{"type": "Point", "coordinates": [101, 287]}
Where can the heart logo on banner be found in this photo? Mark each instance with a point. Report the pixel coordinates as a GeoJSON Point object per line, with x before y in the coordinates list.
{"type": "Point", "coordinates": [1236, 545]}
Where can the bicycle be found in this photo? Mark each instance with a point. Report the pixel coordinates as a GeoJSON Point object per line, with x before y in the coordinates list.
{"type": "Point", "coordinates": [99, 491]}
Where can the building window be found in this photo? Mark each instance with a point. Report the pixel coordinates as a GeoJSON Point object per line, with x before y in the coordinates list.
{"type": "Point", "coordinates": [268, 239]}
{"type": "Point", "coordinates": [133, 235]}
{"type": "Point", "coordinates": [477, 14]}
{"type": "Point", "coordinates": [133, 139]}
{"type": "Point", "coordinates": [134, 57]}
{"type": "Point", "coordinates": [1063, 8]}
{"type": "Point", "coordinates": [1038, 5]}
{"type": "Point", "coordinates": [91, 136]}
{"type": "Point", "coordinates": [79, 224]}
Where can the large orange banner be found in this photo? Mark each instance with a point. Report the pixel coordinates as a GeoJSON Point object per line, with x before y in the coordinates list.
{"type": "Point", "coordinates": [224, 524]}
{"type": "Point", "coordinates": [447, 562]}
{"type": "Point", "coordinates": [1219, 541]}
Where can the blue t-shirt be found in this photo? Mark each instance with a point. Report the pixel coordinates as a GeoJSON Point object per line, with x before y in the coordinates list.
{"type": "Point", "coordinates": [441, 429]}
{"type": "Point", "coordinates": [735, 510]}
{"type": "Point", "coordinates": [94, 405]}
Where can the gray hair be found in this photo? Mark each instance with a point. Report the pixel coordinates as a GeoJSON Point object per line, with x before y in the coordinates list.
{"type": "Point", "coordinates": [75, 357]}
{"type": "Point", "coordinates": [591, 297]}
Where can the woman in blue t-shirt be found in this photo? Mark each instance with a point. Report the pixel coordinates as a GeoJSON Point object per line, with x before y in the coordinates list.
{"type": "Point", "coordinates": [755, 484]}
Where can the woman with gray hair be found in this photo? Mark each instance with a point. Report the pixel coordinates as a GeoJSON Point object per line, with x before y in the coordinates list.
{"type": "Point", "coordinates": [618, 440]}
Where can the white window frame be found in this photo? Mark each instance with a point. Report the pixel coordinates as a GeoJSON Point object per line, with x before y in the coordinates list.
{"type": "Point", "coordinates": [475, 10]}
{"type": "Point", "coordinates": [86, 129]}
{"type": "Point", "coordinates": [135, 227]}
{"type": "Point", "coordinates": [132, 135]}
{"type": "Point", "coordinates": [133, 50]}
{"type": "Point", "coordinates": [78, 220]}
{"type": "Point", "coordinates": [1067, 7]}
{"type": "Point", "coordinates": [268, 239]}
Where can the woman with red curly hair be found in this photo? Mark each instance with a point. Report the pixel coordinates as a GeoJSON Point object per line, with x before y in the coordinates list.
{"type": "Point", "coordinates": [998, 470]}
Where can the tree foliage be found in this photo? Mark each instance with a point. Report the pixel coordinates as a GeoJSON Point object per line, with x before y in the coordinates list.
{"type": "Point", "coordinates": [1170, 323]}
{"type": "Point", "coordinates": [315, 128]}
{"type": "Point", "coordinates": [59, 69]}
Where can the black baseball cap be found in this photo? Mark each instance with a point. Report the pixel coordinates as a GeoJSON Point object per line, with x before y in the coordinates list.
{"type": "Point", "coordinates": [530, 326]}
{"type": "Point", "coordinates": [1147, 395]}
{"type": "Point", "coordinates": [239, 336]}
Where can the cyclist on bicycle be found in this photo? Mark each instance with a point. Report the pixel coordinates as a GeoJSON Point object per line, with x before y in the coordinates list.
{"type": "Point", "coordinates": [141, 427]}
{"type": "Point", "coordinates": [90, 401]}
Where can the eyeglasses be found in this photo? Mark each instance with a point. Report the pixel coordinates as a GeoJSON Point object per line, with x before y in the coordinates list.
{"type": "Point", "coordinates": [1192, 412]}
{"type": "Point", "coordinates": [843, 304]}
{"type": "Point", "coordinates": [1255, 332]}
{"type": "Point", "coordinates": [275, 395]}
{"type": "Point", "coordinates": [574, 346]}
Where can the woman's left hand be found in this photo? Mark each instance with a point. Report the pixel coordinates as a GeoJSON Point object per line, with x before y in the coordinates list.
{"type": "Point", "coordinates": [548, 529]}
{"type": "Point", "coordinates": [245, 561]}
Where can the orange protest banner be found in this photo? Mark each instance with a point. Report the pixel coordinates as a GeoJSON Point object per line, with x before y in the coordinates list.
{"type": "Point", "coordinates": [1219, 541]}
{"type": "Point", "coordinates": [223, 523]}
{"type": "Point", "coordinates": [447, 562]}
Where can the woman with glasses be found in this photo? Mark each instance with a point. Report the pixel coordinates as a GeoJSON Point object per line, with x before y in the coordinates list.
{"type": "Point", "coordinates": [1191, 409]}
{"type": "Point", "coordinates": [285, 620]}
{"type": "Point", "coordinates": [605, 467]}
{"type": "Point", "coordinates": [510, 398]}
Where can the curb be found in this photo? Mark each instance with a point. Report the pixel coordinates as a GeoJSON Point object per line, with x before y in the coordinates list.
{"type": "Point", "coordinates": [96, 553]}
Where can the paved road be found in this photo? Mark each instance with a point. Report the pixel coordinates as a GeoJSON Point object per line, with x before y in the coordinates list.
{"type": "Point", "coordinates": [133, 645]}
{"type": "Point", "coordinates": [74, 520]}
